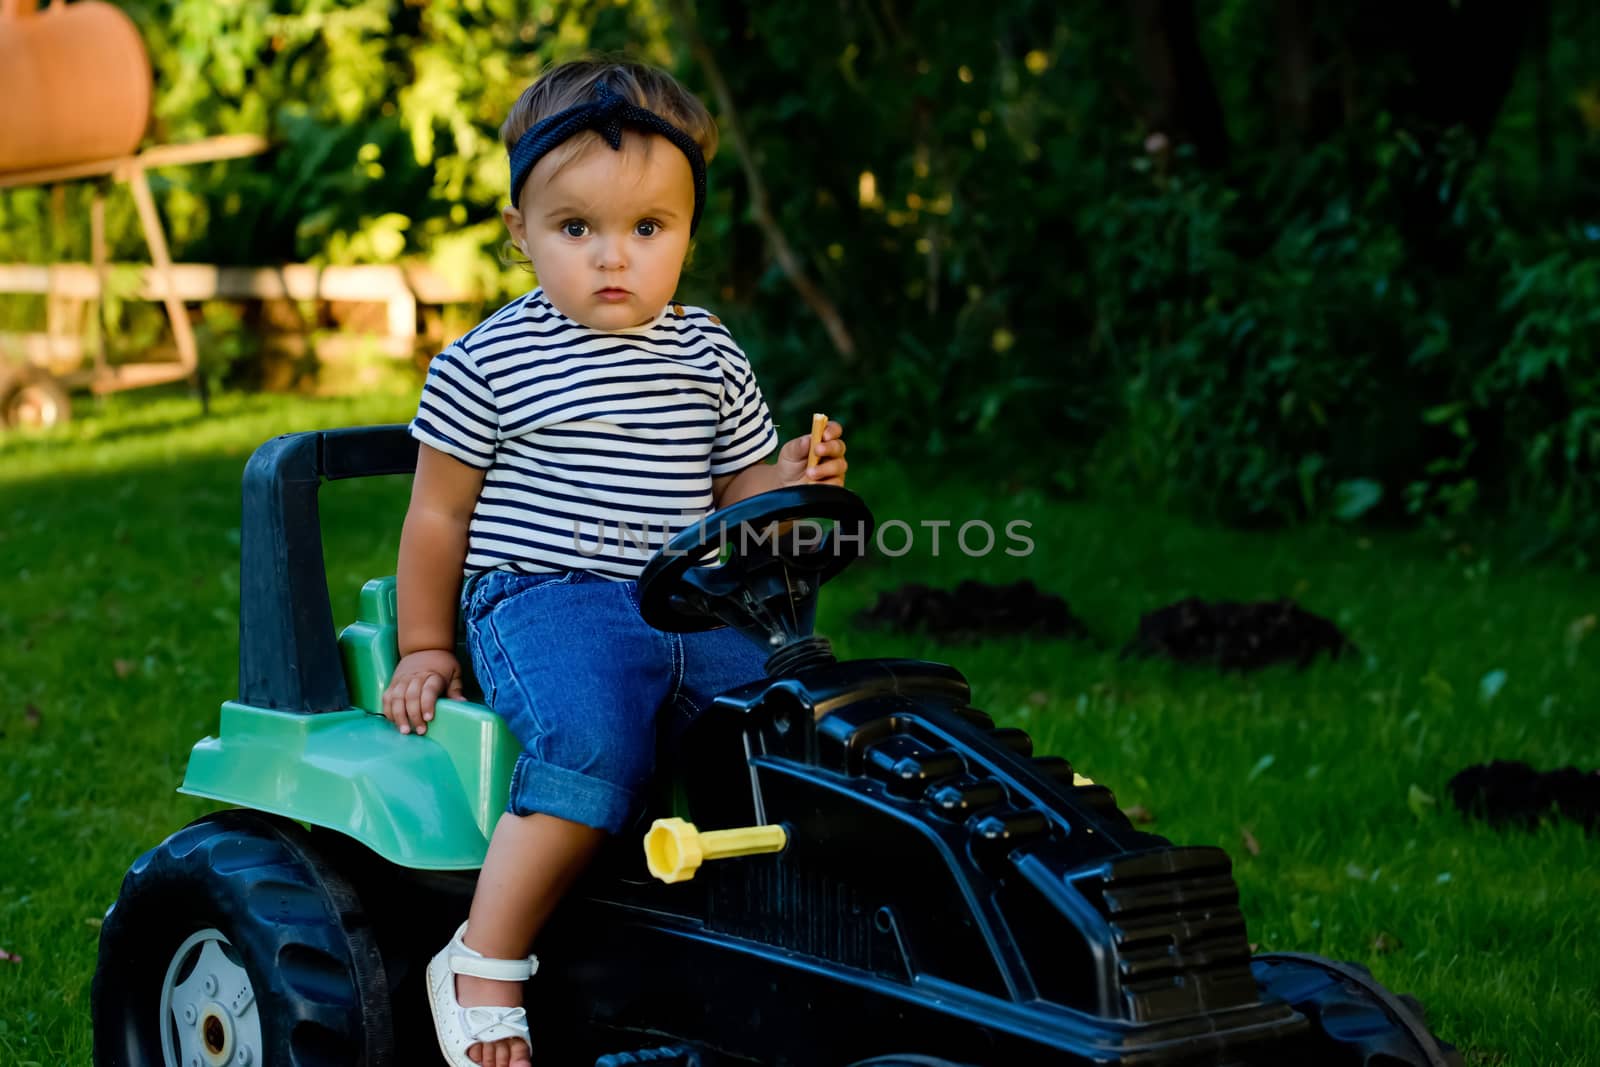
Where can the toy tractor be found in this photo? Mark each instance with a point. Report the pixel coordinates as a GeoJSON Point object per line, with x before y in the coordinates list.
{"type": "Point", "coordinates": [855, 866]}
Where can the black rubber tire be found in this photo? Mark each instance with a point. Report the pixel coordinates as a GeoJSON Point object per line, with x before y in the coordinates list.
{"type": "Point", "coordinates": [666, 1056]}
{"type": "Point", "coordinates": [16, 381]}
{"type": "Point", "coordinates": [1360, 1022]}
{"type": "Point", "coordinates": [295, 923]}
{"type": "Point", "coordinates": [906, 1059]}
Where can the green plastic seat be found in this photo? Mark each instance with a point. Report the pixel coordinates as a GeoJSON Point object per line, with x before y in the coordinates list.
{"type": "Point", "coordinates": [429, 802]}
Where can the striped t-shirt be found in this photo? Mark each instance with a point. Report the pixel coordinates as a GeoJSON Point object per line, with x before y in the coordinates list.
{"type": "Point", "coordinates": [597, 445]}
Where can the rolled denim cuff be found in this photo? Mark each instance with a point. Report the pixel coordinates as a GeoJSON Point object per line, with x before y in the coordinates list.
{"type": "Point", "coordinates": [545, 789]}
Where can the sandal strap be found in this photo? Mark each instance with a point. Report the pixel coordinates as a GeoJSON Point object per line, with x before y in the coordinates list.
{"type": "Point", "coordinates": [497, 970]}
{"type": "Point", "coordinates": [471, 962]}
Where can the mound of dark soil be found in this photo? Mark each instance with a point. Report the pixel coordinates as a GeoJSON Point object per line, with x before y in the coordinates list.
{"type": "Point", "coordinates": [973, 610]}
{"type": "Point", "coordinates": [1237, 636]}
{"type": "Point", "coordinates": [1511, 793]}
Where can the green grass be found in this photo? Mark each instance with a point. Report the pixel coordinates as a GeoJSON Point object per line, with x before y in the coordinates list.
{"type": "Point", "coordinates": [118, 640]}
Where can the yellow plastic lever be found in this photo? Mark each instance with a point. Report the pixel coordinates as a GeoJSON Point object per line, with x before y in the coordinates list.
{"type": "Point", "coordinates": [674, 849]}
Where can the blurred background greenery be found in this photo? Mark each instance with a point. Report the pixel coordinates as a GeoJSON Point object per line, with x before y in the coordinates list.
{"type": "Point", "coordinates": [1266, 261]}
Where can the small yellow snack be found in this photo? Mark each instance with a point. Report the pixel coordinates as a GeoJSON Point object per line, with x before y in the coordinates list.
{"type": "Point", "coordinates": [819, 423]}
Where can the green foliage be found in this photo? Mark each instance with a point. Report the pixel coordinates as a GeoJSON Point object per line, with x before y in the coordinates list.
{"type": "Point", "coordinates": [936, 214]}
{"type": "Point", "coordinates": [223, 342]}
{"type": "Point", "coordinates": [1266, 341]}
{"type": "Point", "coordinates": [1265, 382]}
{"type": "Point", "coordinates": [1534, 405]}
{"type": "Point", "coordinates": [1304, 351]}
{"type": "Point", "coordinates": [1379, 318]}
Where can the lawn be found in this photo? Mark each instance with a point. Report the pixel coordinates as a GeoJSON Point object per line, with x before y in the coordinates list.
{"type": "Point", "coordinates": [118, 641]}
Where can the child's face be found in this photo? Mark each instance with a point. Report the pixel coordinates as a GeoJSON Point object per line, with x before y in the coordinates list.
{"type": "Point", "coordinates": [607, 232]}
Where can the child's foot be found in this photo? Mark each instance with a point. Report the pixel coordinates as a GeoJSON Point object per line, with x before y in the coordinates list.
{"type": "Point", "coordinates": [477, 1006]}
{"type": "Point", "coordinates": [474, 992]}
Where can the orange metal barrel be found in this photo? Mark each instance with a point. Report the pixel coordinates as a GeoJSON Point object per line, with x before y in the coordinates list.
{"type": "Point", "coordinates": [74, 84]}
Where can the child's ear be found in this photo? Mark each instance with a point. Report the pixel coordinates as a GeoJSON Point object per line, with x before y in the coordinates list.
{"type": "Point", "coordinates": [514, 226]}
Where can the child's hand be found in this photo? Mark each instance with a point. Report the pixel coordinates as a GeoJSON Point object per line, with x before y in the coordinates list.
{"type": "Point", "coordinates": [419, 679]}
{"type": "Point", "coordinates": [831, 464]}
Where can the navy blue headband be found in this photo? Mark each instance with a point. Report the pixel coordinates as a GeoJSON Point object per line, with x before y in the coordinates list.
{"type": "Point", "coordinates": [607, 113]}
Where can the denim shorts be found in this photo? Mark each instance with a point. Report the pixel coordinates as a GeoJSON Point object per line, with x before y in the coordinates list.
{"type": "Point", "coordinates": [585, 683]}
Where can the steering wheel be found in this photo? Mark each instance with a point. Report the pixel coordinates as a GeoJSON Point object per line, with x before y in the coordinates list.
{"type": "Point", "coordinates": [738, 567]}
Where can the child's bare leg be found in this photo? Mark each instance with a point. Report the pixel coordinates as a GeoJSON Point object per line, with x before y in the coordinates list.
{"type": "Point", "coordinates": [532, 860]}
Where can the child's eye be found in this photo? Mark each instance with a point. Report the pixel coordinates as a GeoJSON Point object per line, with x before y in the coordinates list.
{"type": "Point", "coordinates": [647, 228]}
{"type": "Point", "coordinates": [575, 228]}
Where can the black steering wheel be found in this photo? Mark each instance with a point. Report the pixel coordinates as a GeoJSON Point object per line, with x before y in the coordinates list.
{"type": "Point", "coordinates": [757, 565]}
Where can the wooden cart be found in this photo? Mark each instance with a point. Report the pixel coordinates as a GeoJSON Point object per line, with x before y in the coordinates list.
{"type": "Point", "coordinates": [34, 390]}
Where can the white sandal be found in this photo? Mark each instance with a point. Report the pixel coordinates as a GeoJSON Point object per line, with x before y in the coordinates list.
{"type": "Point", "coordinates": [460, 1028]}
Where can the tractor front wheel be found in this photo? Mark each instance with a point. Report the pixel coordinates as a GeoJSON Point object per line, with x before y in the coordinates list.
{"type": "Point", "coordinates": [234, 943]}
{"type": "Point", "coordinates": [1360, 1023]}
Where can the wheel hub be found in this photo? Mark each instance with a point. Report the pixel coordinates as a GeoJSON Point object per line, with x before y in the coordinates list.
{"type": "Point", "coordinates": [209, 1016]}
{"type": "Point", "coordinates": [35, 408]}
